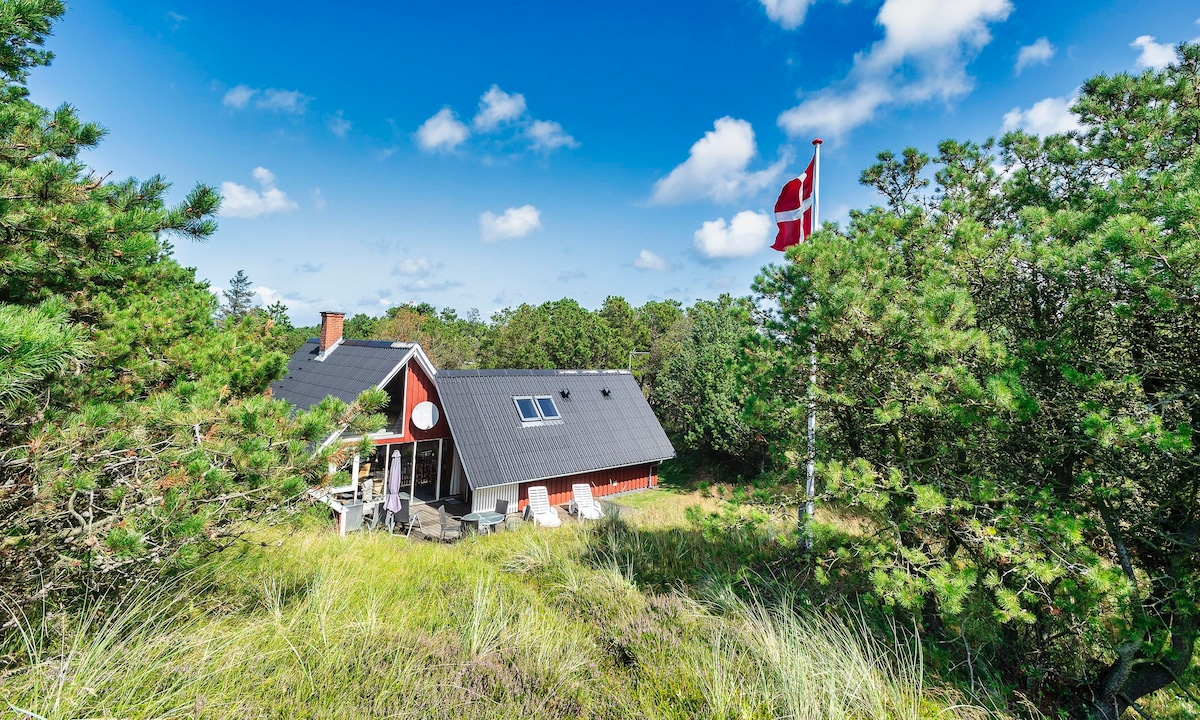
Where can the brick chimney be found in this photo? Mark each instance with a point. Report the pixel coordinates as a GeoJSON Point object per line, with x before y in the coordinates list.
{"type": "Point", "coordinates": [331, 330]}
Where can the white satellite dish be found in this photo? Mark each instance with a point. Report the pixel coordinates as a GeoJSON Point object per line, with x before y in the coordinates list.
{"type": "Point", "coordinates": [425, 415]}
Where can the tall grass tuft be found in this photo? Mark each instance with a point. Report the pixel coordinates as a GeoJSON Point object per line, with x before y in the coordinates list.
{"type": "Point", "coordinates": [820, 666]}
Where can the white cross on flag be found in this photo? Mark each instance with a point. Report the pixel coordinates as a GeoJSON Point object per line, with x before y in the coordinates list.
{"type": "Point", "coordinates": [793, 209]}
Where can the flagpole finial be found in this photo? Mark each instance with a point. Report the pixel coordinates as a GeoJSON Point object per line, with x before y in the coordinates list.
{"type": "Point", "coordinates": [817, 141]}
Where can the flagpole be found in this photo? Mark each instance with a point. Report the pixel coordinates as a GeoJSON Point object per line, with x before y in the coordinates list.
{"type": "Point", "coordinates": [810, 486]}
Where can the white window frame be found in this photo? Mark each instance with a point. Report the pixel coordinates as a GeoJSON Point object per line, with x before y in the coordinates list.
{"type": "Point", "coordinates": [520, 414]}
{"type": "Point", "coordinates": [557, 414]}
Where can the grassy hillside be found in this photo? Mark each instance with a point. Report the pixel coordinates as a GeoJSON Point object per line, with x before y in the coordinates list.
{"type": "Point", "coordinates": [526, 623]}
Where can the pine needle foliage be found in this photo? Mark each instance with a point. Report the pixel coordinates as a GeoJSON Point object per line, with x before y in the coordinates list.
{"type": "Point", "coordinates": [1008, 395]}
{"type": "Point", "coordinates": [136, 436]}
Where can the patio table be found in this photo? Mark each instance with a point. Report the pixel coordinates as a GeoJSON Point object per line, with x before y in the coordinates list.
{"type": "Point", "coordinates": [482, 521]}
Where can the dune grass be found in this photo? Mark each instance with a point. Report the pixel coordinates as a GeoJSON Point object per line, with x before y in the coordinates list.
{"type": "Point", "coordinates": [529, 623]}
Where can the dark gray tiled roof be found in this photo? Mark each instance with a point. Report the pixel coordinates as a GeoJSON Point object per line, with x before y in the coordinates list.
{"type": "Point", "coordinates": [596, 432]}
{"type": "Point", "coordinates": [352, 367]}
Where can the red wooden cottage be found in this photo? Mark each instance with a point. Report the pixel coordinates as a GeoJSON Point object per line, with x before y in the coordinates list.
{"type": "Point", "coordinates": [483, 435]}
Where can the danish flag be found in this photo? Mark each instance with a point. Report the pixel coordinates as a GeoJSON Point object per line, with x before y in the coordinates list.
{"type": "Point", "coordinates": [794, 208]}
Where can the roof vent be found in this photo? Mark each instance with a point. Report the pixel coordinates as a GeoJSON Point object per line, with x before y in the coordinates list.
{"type": "Point", "coordinates": [605, 392]}
{"type": "Point", "coordinates": [565, 393]}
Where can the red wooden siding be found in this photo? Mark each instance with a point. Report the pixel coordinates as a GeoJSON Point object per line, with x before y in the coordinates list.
{"type": "Point", "coordinates": [603, 482]}
{"type": "Point", "coordinates": [421, 388]}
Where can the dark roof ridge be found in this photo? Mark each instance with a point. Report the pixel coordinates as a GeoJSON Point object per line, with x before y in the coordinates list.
{"type": "Point", "coordinates": [519, 372]}
{"type": "Point", "coordinates": [368, 343]}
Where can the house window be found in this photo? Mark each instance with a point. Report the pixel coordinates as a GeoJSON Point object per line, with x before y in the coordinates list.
{"type": "Point", "coordinates": [527, 408]}
{"type": "Point", "coordinates": [547, 408]}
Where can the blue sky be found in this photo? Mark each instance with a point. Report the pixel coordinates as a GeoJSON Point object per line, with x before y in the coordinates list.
{"type": "Point", "coordinates": [484, 154]}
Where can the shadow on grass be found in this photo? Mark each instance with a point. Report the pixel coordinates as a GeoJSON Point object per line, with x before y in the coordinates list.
{"type": "Point", "coordinates": [737, 547]}
{"type": "Point", "coordinates": [734, 547]}
{"type": "Point", "coordinates": [693, 470]}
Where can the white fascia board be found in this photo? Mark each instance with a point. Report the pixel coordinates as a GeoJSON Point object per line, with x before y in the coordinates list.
{"type": "Point", "coordinates": [422, 360]}
{"type": "Point", "coordinates": [399, 366]}
{"type": "Point", "coordinates": [425, 362]}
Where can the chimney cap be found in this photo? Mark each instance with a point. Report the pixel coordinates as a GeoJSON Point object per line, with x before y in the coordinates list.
{"type": "Point", "coordinates": [332, 312]}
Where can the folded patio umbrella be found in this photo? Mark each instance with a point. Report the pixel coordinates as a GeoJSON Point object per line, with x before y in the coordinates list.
{"type": "Point", "coordinates": [394, 483]}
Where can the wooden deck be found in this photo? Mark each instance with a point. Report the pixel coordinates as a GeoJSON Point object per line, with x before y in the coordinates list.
{"type": "Point", "coordinates": [430, 528]}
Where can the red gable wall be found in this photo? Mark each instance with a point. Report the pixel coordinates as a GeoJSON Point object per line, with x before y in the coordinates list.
{"type": "Point", "coordinates": [421, 388]}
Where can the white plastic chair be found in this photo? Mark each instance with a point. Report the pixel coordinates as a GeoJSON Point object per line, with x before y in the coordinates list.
{"type": "Point", "coordinates": [585, 504]}
{"type": "Point", "coordinates": [539, 505]}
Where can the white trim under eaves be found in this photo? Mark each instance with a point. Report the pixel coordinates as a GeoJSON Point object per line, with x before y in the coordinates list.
{"type": "Point", "coordinates": [422, 360]}
{"type": "Point", "coordinates": [392, 373]}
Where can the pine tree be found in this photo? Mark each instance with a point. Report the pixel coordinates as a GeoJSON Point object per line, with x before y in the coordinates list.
{"type": "Point", "coordinates": [134, 431]}
{"type": "Point", "coordinates": [278, 313]}
{"type": "Point", "coordinates": [1008, 395]}
{"type": "Point", "coordinates": [239, 298]}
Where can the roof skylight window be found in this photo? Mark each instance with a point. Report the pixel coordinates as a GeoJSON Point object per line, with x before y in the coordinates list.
{"type": "Point", "coordinates": [527, 408]}
{"type": "Point", "coordinates": [547, 408]}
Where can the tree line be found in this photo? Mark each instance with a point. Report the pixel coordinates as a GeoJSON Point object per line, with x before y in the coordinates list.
{"type": "Point", "coordinates": [680, 355]}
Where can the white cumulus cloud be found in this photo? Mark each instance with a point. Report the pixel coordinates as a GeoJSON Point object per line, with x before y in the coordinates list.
{"type": "Point", "coordinates": [289, 101]}
{"type": "Point", "coordinates": [744, 235]}
{"type": "Point", "coordinates": [717, 167]}
{"type": "Point", "coordinates": [922, 57]}
{"type": "Point", "coordinates": [273, 99]}
{"type": "Point", "coordinates": [338, 124]}
{"type": "Point", "coordinates": [1045, 117]}
{"type": "Point", "coordinates": [1154, 55]}
{"type": "Point", "coordinates": [242, 201]}
{"type": "Point", "coordinates": [502, 120]}
{"type": "Point", "coordinates": [788, 13]}
{"type": "Point", "coordinates": [442, 133]}
{"type": "Point", "coordinates": [414, 266]}
{"type": "Point", "coordinates": [647, 260]}
{"type": "Point", "coordinates": [238, 96]}
{"type": "Point", "coordinates": [1039, 52]}
{"type": "Point", "coordinates": [514, 223]}
{"type": "Point", "coordinates": [547, 135]}
{"type": "Point", "coordinates": [497, 107]}
{"type": "Point", "coordinates": [429, 286]}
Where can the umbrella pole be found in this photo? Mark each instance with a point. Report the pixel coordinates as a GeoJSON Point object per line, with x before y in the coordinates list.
{"type": "Point", "coordinates": [412, 487]}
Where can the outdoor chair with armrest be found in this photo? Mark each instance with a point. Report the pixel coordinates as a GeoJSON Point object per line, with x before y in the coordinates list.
{"type": "Point", "coordinates": [448, 522]}
{"type": "Point", "coordinates": [405, 516]}
{"type": "Point", "coordinates": [539, 505]}
{"type": "Point", "coordinates": [585, 503]}
{"type": "Point", "coordinates": [502, 508]}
